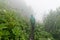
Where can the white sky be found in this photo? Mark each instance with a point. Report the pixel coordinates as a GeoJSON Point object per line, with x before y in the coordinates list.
{"type": "Point", "coordinates": [41, 6]}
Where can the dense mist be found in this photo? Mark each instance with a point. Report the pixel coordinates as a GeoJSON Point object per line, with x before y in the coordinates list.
{"type": "Point", "coordinates": [20, 6]}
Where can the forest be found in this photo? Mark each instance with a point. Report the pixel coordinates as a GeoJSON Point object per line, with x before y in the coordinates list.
{"type": "Point", "coordinates": [14, 26]}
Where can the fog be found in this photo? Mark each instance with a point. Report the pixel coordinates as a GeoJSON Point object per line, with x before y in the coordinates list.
{"type": "Point", "coordinates": [21, 7]}
{"type": "Point", "coordinates": [38, 8]}
{"type": "Point", "coordinates": [42, 7]}
{"type": "Point", "coordinates": [29, 19]}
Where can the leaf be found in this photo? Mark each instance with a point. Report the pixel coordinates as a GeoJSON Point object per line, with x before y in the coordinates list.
{"type": "Point", "coordinates": [2, 26]}
{"type": "Point", "coordinates": [16, 31]}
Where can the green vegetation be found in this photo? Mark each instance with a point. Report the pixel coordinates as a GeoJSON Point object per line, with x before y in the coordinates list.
{"type": "Point", "coordinates": [52, 23]}
{"type": "Point", "coordinates": [13, 26]}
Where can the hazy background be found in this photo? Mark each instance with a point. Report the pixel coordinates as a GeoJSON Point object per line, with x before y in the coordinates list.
{"type": "Point", "coordinates": [16, 22]}
{"type": "Point", "coordinates": [38, 8]}
{"type": "Point", "coordinates": [41, 7]}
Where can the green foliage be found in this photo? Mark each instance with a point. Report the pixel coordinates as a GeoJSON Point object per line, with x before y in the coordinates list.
{"type": "Point", "coordinates": [52, 23]}
{"type": "Point", "coordinates": [41, 34]}
{"type": "Point", "coordinates": [15, 27]}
